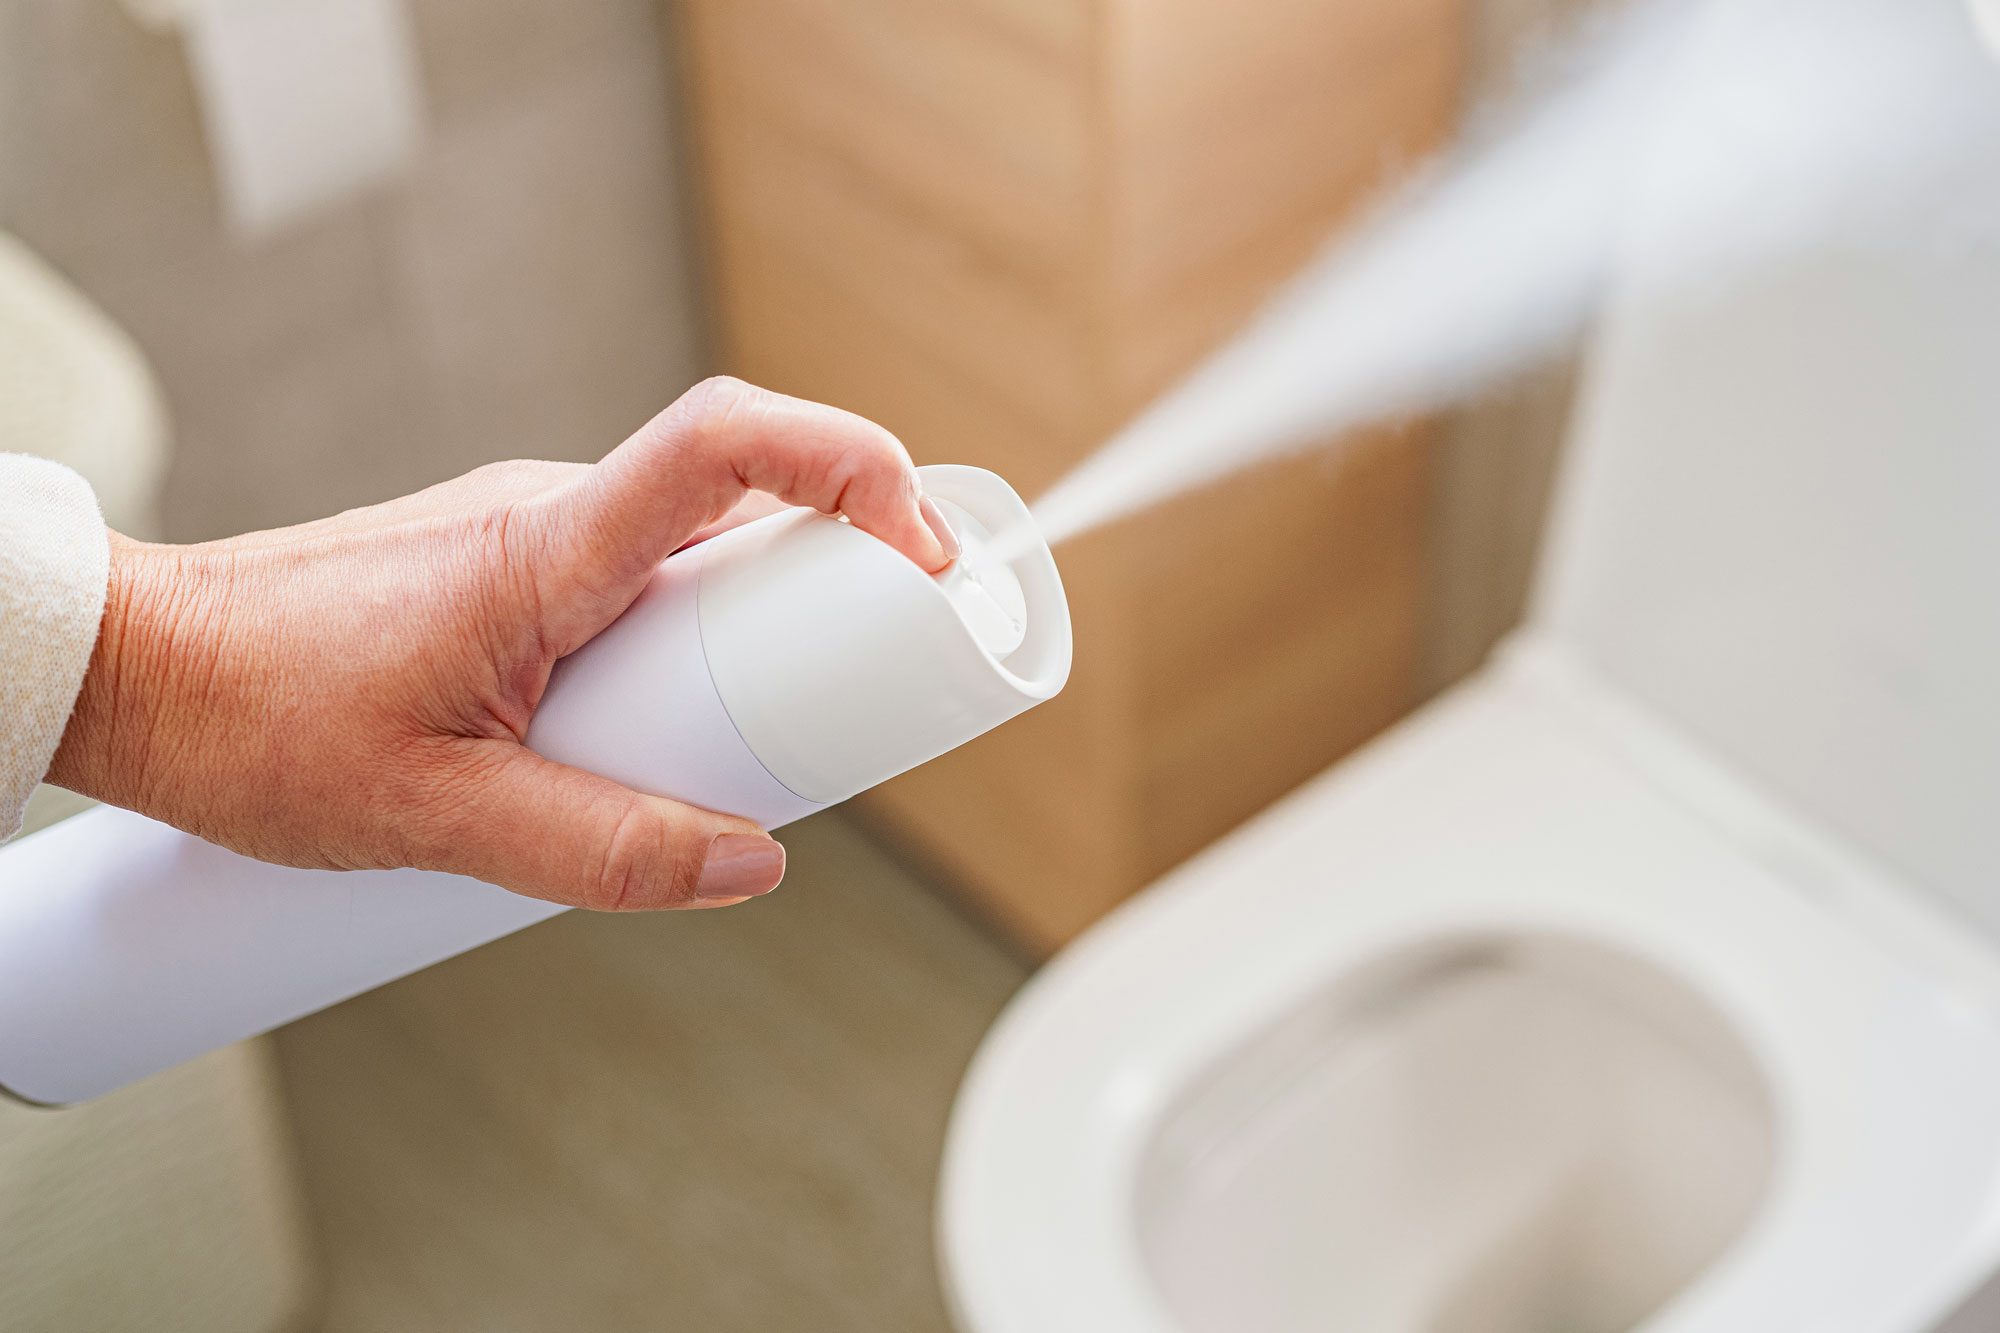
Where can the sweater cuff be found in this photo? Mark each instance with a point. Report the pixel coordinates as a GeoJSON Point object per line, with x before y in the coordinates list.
{"type": "Point", "coordinates": [55, 562]}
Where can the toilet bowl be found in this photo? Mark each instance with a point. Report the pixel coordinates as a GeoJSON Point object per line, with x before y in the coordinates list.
{"type": "Point", "coordinates": [1651, 979]}
{"type": "Point", "coordinates": [1500, 1027]}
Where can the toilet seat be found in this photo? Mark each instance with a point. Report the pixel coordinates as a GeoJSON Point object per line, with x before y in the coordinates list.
{"type": "Point", "coordinates": [1502, 807]}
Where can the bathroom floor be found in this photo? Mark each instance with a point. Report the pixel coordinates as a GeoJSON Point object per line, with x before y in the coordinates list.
{"type": "Point", "coordinates": [699, 1121]}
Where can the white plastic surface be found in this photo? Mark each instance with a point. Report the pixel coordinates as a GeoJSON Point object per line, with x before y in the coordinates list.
{"type": "Point", "coordinates": [1491, 814]}
{"type": "Point", "coordinates": [1502, 1133]}
{"type": "Point", "coordinates": [127, 946]}
{"type": "Point", "coordinates": [983, 588]}
{"type": "Point", "coordinates": [668, 733]}
{"type": "Point", "coordinates": [844, 664]}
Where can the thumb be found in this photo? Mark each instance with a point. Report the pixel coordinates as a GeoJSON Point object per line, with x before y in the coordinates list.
{"type": "Point", "coordinates": [554, 832]}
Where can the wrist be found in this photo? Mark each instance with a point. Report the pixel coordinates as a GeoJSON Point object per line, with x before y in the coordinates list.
{"type": "Point", "coordinates": [118, 730]}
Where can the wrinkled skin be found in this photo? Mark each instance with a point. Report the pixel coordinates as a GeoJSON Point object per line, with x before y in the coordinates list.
{"type": "Point", "coordinates": [352, 693]}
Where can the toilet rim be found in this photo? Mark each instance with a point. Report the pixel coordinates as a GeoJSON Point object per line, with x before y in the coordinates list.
{"type": "Point", "coordinates": [1109, 1033]}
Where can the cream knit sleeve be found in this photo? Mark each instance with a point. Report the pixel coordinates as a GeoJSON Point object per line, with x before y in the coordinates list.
{"type": "Point", "coordinates": [54, 561]}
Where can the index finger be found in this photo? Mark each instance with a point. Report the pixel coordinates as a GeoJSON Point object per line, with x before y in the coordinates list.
{"type": "Point", "coordinates": [689, 465]}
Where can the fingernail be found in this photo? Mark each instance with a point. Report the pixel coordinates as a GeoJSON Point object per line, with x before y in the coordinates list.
{"type": "Point", "coordinates": [740, 865]}
{"type": "Point", "coordinates": [939, 528]}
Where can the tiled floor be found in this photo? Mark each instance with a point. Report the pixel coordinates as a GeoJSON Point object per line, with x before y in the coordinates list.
{"type": "Point", "coordinates": [705, 1121]}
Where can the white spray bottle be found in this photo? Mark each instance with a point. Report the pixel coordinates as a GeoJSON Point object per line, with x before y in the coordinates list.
{"type": "Point", "coordinates": [767, 673]}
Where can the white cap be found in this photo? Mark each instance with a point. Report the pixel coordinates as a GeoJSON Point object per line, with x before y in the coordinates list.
{"type": "Point", "coordinates": [843, 664]}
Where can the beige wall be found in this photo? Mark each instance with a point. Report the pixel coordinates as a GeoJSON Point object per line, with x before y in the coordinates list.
{"type": "Point", "coordinates": [525, 291]}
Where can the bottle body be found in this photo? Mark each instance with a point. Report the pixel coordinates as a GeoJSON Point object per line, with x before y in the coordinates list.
{"type": "Point", "coordinates": [127, 946]}
{"type": "Point", "coordinates": [158, 946]}
{"type": "Point", "coordinates": [639, 705]}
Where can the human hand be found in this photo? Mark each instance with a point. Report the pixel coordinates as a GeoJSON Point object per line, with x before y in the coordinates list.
{"type": "Point", "coordinates": [352, 693]}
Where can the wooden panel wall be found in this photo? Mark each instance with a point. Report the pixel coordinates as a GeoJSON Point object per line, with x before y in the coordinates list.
{"type": "Point", "coordinates": [999, 226]}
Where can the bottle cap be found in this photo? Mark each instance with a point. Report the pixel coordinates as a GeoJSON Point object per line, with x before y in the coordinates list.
{"type": "Point", "coordinates": [843, 664]}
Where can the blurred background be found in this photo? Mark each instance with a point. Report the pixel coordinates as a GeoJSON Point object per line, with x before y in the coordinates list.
{"type": "Point", "coordinates": [519, 227]}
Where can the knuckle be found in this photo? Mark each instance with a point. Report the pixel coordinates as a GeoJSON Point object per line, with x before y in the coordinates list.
{"type": "Point", "coordinates": [874, 462]}
{"type": "Point", "coordinates": [511, 476]}
{"type": "Point", "coordinates": [710, 405]}
{"type": "Point", "coordinates": [626, 862]}
{"type": "Point", "coordinates": [875, 456]}
{"type": "Point", "coordinates": [640, 867]}
{"type": "Point", "coordinates": [884, 454]}
{"type": "Point", "coordinates": [495, 494]}
{"type": "Point", "coordinates": [725, 385]}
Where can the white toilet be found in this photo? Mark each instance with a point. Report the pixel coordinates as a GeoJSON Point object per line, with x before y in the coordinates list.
{"type": "Point", "coordinates": [1651, 980]}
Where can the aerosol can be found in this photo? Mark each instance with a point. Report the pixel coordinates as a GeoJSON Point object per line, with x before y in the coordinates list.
{"type": "Point", "coordinates": [769, 673]}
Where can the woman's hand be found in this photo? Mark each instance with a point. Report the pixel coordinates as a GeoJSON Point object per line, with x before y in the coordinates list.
{"type": "Point", "coordinates": [352, 693]}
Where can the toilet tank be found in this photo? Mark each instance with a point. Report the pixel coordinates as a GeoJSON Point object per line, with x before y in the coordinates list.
{"type": "Point", "coordinates": [1779, 529]}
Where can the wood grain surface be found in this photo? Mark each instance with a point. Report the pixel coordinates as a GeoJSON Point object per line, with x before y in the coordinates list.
{"type": "Point", "coordinates": [1000, 228]}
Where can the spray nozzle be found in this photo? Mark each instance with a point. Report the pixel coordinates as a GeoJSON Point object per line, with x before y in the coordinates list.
{"type": "Point", "coordinates": [981, 587]}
